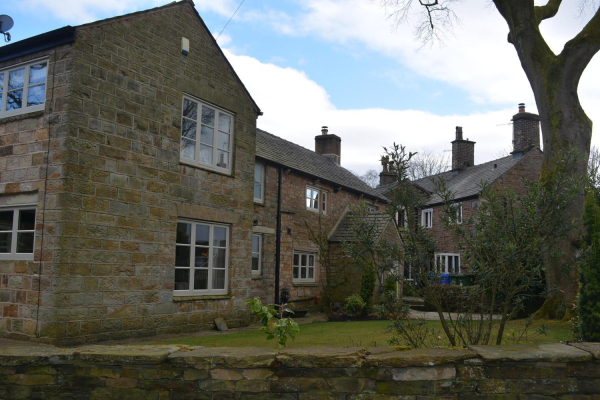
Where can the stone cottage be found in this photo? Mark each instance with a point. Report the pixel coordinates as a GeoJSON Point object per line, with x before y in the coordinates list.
{"type": "Point", "coordinates": [464, 180]}
{"type": "Point", "coordinates": [128, 149]}
{"type": "Point", "coordinates": [298, 191]}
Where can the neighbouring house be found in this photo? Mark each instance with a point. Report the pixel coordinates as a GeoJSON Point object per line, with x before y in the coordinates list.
{"type": "Point", "coordinates": [137, 196]}
{"type": "Point", "coordinates": [464, 181]}
{"type": "Point", "coordinates": [309, 191]}
{"type": "Point", "coordinates": [128, 149]}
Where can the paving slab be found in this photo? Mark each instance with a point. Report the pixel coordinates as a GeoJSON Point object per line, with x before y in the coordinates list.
{"type": "Point", "coordinates": [549, 352]}
{"type": "Point", "coordinates": [592, 348]}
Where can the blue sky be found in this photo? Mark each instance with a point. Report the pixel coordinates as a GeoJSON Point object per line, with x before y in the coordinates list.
{"type": "Point", "coordinates": [309, 63]}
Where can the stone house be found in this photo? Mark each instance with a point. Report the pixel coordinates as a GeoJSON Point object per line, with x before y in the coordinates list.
{"type": "Point", "coordinates": [126, 180]}
{"type": "Point", "coordinates": [310, 192]}
{"type": "Point", "coordinates": [464, 180]}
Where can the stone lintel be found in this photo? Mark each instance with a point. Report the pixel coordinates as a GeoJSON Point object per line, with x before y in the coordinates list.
{"type": "Point", "coordinates": [200, 213]}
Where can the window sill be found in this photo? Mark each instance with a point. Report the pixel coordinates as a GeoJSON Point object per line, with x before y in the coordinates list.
{"type": "Point", "coordinates": [259, 203]}
{"type": "Point", "coordinates": [257, 277]}
{"type": "Point", "coordinates": [201, 297]}
{"type": "Point", "coordinates": [25, 115]}
{"type": "Point", "coordinates": [206, 168]}
{"type": "Point", "coordinates": [305, 284]}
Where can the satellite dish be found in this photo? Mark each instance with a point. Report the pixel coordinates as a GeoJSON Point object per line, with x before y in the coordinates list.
{"type": "Point", "coordinates": [6, 23]}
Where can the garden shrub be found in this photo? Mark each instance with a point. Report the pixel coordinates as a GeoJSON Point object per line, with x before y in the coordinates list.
{"type": "Point", "coordinates": [391, 285]}
{"type": "Point", "coordinates": [589, 300]}
{"type": "Point", "coordinates": [367, 287]}
{"type": "Point", "coordinates": [354, 305]}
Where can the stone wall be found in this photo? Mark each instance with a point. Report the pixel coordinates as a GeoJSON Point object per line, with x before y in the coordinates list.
{"type": "Point", "coordinates": [551, 371]}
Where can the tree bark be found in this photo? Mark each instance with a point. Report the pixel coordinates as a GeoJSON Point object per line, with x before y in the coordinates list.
{"type": "Point", "coordinates": [565, 126]}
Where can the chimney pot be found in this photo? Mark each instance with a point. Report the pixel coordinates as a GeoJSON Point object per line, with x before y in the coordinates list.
{"type": "Point", "coordinates": [521, 107]}
{"type": "Point", "coordinates": [459, 133]}
{"type": "Point", "coordinates": [324, 130]}
{"type": "Point", "coordinates": [526, 130]}
{"type": "Point", "coordinates": [329, 146]}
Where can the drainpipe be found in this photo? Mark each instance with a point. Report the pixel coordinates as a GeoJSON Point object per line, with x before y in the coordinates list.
{"type": "Point", "coordinates": [278, 236]}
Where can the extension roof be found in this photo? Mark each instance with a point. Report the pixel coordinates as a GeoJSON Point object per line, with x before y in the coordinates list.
{"type": "Point", "coordinates": [67, 35]}
{"type": "Point", "coordinates": [345, 231]}
{"type": "Point", "coordinates": [466, 182]}
{"type": "Point", "coordinates": [280, 151]}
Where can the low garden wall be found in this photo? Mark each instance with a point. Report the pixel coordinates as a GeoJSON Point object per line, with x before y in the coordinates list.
{"type": "Point", "coordinates": [181, 372]}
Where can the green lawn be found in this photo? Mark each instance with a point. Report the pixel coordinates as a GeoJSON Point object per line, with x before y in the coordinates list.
{"type": "Point", "coordinates": [355, 334]}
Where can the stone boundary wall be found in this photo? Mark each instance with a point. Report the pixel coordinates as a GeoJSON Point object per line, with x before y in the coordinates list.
{"type": "Point", "coordinates": [181, 372]}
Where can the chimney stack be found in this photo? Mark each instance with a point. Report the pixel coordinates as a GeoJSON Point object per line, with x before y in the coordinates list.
{"type": "Point", "coordinates": [329, 146]}
{"type": "Point", "coordinates": [463, 151]}
{"type": "Point", "coordinates": [526, 131]}
{"type": "Point", "coordinates": [388, 173]}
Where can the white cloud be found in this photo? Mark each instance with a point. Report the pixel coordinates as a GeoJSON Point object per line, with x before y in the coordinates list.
{"type": "Point", "coordinates": [296, 107]}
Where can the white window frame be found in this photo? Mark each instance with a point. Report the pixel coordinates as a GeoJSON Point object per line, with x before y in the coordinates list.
{"type": "Point", "coordinates": [298, 259]}
{"type": "Point", "coordinates": [215, 151]}
{"type": "Point", "coordinates": [4, 89]}
{"type": "Point", "coordinates": [459, 214]}
{"type": "Point", "coordinates": [13, 255]}
{"type": "Point", "coordinates": [427, 222]}
{"type": "Point", "coordinates": [211, 247]}
{"type": "Point", "coordinates": [318, 204]}
{"type": "Point", "coordinates": [258, 254]}
{"type": "Point", "coordinates": [404, 220]}
{"type": "Point", "coordinates": [260, 182]}
{"type": "Point", "coordinates": [442, 263]}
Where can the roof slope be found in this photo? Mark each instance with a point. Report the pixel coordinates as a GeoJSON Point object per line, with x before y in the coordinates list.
{"type": "Point", "coordinates": [346, 232]}
{"type": "Point", "coordinates": [291, 155]}
{"type": "Point", "coordinates": [466, 182]}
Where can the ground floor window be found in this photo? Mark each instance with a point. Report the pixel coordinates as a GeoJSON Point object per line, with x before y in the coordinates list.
{"type": "Point", "coordinates": [201, 258]}
{"type": "Point", "coordinates": [256, 254]}
{"type": "Point", "coordinates": [17, 233]}
{"type": "Point", "coordinates": [447, 263]}
{"type": "Point", "coordinates": [304, 266]}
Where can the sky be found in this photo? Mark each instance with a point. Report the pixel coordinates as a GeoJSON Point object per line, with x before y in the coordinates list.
{"type": "Point", "coordinates": [343, 63]}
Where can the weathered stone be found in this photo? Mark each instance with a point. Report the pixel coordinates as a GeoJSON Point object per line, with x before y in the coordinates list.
{"type": "Point", "coordinates": [225, 375]}
{"type": "Point", "coordinates": [252, 386]}
{"type": "Point", "coordinates": [256, 373]}
{"type": "Point", "coordinates": [424, 373]}
{"type": "Point", "coordinates": [416, 358]}
{"type": "Point", "coordinates": [413, 388]}
{"type": "Point", "coordinates": [297, 384]}
{"type": "Point", "coordinates": [323, 357]}
{"type": "Point", "coordinates": [554, 352]}
{"type": "Point", "coordinates": [351, 385]}
{"type": "Point", "coordinates": [592, 348]}
{"type": "Point", "coordinates": [125, 354]}
{"type": "Point", "coordinates": [215, 357]}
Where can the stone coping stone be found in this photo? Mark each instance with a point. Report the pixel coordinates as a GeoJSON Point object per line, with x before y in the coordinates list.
{"type": "Point", "coordinates": [34, 355]}
{"type": "Point", "coordinates": [592, 348]}
{"type": "Point", "coordinates": [127, 354]}
{"type": "Point", "coordinates": [322, 357]}
{"type": "Point", "coordinates": [219, 357]}
{"type": "Point", "coordinates": [389, 357]}
{"type": "Point", "coordinates": [549, 352]}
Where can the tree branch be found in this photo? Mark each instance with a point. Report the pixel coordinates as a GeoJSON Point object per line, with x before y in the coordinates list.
{"type": "Point", "coordinates": [580, 50]}
{"type": "Point", "coordinates": [547, 11]}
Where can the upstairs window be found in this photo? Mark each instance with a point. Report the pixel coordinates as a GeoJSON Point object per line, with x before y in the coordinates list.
{"type": "Point", "coordinates": [459, 214]}
{"type": "Point", "coordinates": [427, 218]}
{"type": "Point", "coordinates": [23, 88]}
{"type": "Point", "coordinates": [256, 254]}
{"type": "Point", "coordinates": [259, 183]}
{"type": "Point", "coordinates": [316, 200]}
{"type": "Point", "coordinates": [17, 233]}
{"type": "Point", "coordinates": [206, 135]}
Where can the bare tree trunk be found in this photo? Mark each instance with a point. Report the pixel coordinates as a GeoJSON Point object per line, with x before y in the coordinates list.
{"type": "Point", "coordinates": [565, 126]}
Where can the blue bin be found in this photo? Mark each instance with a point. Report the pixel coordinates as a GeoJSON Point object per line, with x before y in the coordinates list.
{"type": "Point", "coordinates": [445, 279]}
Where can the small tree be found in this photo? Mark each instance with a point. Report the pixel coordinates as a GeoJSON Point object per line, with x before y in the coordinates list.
{"type": "Point", "coordinates": [588, 306]}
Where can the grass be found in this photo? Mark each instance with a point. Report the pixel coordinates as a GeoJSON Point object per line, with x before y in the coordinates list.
{"type": "Point", "coordinates": [359, 334]}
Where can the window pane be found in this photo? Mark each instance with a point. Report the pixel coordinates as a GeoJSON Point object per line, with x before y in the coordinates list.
{"type": "Point", "coordinates": [182, 279]}
{"type": "Point", "coordinates": [188, 129]}
{"type": "Point", "coordinates": [220, 237]}
{"type": "Point", "coordinates": [188, 149]}
{"type": "Point", "coordinates": [258, 172]}
{"type": "Point", "coordinates": [184, 233]}
{"type": "Point", "coordinates": [202, 234]}
{"type": "Point", "coordinates": [201, 257]}
{"type": "Point", "coordinates": [206, 154]}
{"type": "Point", "coordinates": [223, 141]}
{"type": "Point", "coordinates": [25, 242]}
{"type": "Point", "coordinates": [311, 260]}
{"type": "Point", "coordinates": [208, 116]}
{"type": "Point", "coordinates": [224, 123]}
{"type": "Point", "coordinates": [200, 279]}
{"type": "Point", "coordinates": [257, 190]}
{"type": "Point", "coordinates": [303, 258]}
{"type": "Point", "coordinates": [311, 273]}
{"type": "Point", "coordinates": [6, 220]}
{"type": "Point", "coordinates": [296, 259]}
{"type": "Point", "coordinates": [255, 244]}
{"type": "Point", "coordinates": [37, 74]}
{"type": "Point", "coordinates": [16, 79]}
{"type": "Point", "coordinates": [14, 100]}
{"type": "Point", "coordinates": [190, 109]}
{"type": "Point", "coordinates": [182, 256]}
{"type": "Point", "coordinates": [218, 279]}
{"type": "Point", "coordinates": [295, 272]}
{"type": "Point", "coordinates": [219, 258]}
{"type": "Point", "coordinates": [303, 273]}
{"type": "Point", "coordinates": [206, 135]}
{"type": "Point", "coordinates": [5, 242]}
{"type": "Point", "coordinates": [450, 264]}
{"type": "Point", "coordinates": [26, 220]}
{"type": "Point", "coordinates": [1, 82]}
{"type": "Point", "coordinates": [36, 95]}
{"type": "Point", "coordinates": [254, 262]}
{"type": "Point", "coordinates": [308, 193]}
{"type": "Point", "coordinates": [223, 159]}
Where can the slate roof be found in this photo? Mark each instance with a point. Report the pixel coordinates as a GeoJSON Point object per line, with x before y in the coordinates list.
{"type": "Point", "coordinates": [273, 148]}
{"type": "Point", "coordinates": [345, 232]}
{"type": "Point", "coordinates": [466, 182]}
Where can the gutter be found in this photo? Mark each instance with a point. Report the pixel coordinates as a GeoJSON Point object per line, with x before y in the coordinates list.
{"type": "Point", "coordinates": [38, 43]}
